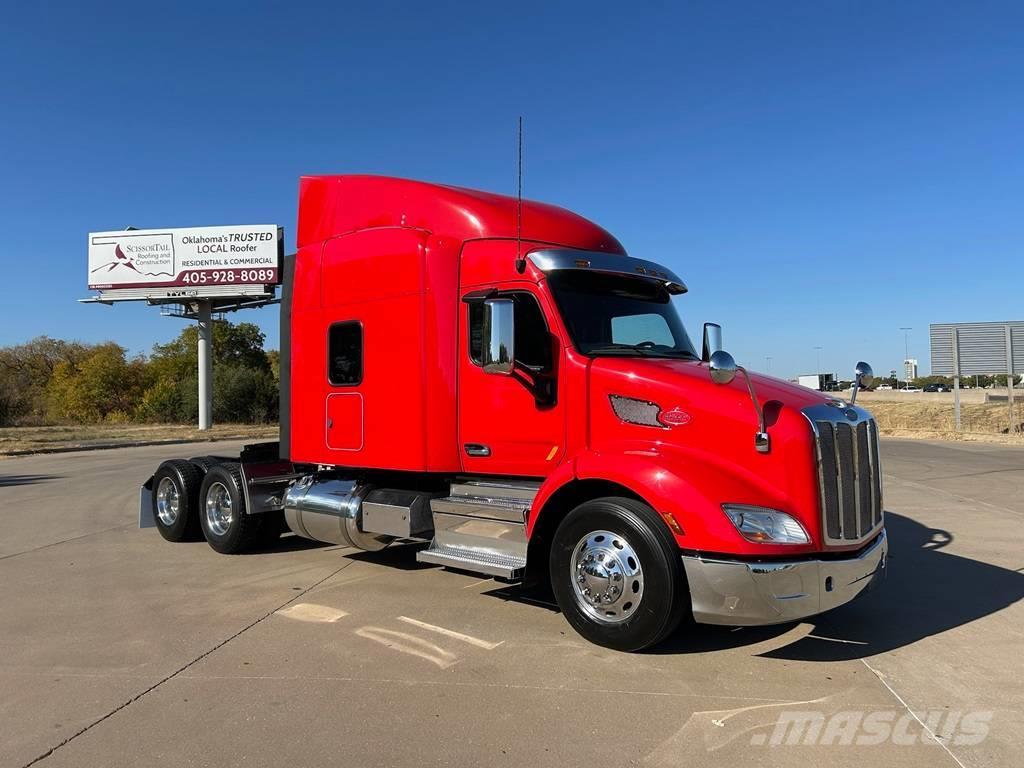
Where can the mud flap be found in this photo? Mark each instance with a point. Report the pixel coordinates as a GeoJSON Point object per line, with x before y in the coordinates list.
{"type": "Point", "coordinates": [146, 519]}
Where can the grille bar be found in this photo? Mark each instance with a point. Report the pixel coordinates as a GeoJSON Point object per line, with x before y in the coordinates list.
{"type": "Point", "coordinates": [846, 461]}
{"type": "Point", "coordinates": [849, 478]}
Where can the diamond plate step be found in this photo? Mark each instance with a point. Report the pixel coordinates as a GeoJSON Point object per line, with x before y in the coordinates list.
{"type": "Point", "coordinates": [475, 560]}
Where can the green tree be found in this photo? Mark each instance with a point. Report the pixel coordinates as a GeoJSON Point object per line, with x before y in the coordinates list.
{"type": "Point", "coordinates": [244, 394]}
{"type": "Point", "coordinates": [104, 386]}
{"type": "Point", "coordinates": [240, 369]}
{"type": "Point", "coordinates": [25, 373]}
{"type": "Point", "coordinates": [170, 401]}
{"type": "Point", "coordinates": [240, 344]}
{"type": "Point", "coordinates": [274, 358]}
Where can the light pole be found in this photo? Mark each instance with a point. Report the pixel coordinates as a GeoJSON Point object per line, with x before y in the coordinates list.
{"type": "Point", "coordinates": [769, 361]}
{"type": "Point", "coordinates": [906, 353]}
{"type": "Point", "coordinates": [817, 360]}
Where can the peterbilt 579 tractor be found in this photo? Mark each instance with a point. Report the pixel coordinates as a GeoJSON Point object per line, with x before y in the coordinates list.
{"type": "Point", "coordinates": [499, 381]}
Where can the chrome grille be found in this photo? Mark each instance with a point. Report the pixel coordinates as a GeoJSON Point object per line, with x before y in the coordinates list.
{"type": "Point", "coordinates": [849, 477]}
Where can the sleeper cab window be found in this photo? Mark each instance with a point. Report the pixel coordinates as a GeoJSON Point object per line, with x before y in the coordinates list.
{"type": "Point", "coordinates": [345, 354]}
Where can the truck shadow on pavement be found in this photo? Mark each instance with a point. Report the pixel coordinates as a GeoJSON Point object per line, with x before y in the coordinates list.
{"type": "Point", "coordinates": [6, 480]}
{"type": "Point", "coordinates": [927, 591]}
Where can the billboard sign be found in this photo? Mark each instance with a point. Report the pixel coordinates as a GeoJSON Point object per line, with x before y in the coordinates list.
{"type": "Point", "coordinates": [966, 349]}
{"type": "Point", "coordinates": [201, 260]}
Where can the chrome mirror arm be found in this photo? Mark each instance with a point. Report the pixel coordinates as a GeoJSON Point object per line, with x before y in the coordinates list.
{"type": "Point", "coordinates": [762, 440]}
{"type": "Point", "coordinates": [863, 376]}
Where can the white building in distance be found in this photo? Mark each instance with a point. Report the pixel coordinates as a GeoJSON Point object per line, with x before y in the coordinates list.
{"type": "Point", "coordinates": [909, 369]}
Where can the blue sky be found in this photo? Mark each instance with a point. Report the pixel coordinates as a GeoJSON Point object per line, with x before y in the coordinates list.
{"type": "Point", "coordinates": [819, 173]}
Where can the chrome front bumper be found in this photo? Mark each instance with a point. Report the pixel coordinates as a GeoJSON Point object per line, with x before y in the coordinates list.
{"type": "Point", "coordinates": [745, 594]}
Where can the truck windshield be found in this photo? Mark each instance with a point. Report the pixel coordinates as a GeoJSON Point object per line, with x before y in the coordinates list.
{"type": "Point", "coordinates": [616, 315]}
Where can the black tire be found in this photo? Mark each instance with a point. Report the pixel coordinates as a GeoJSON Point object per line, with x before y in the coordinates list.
{"type": "Point", "coordinates": [204, 463]}
{"type": "Point", "coordinates": [639, 558]}
{"type": "Point", "coordinates": [233, 531]}
{"type": "Point", "coordinates": [176, 500]}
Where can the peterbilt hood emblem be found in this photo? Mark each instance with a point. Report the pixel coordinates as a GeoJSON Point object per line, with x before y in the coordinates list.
{"type": "Point", "coordinates": [675, 417]}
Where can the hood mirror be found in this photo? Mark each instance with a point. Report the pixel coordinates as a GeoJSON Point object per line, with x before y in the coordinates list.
{"type": "Point", "coordinates": [863, 377]}
{"type": "Point", "coordinates": [712, 341]}
{"type": "Point", "coordinates": [722, 367]}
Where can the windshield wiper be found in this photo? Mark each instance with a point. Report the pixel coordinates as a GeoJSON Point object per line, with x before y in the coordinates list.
{"type": "Point", "coordinates": [641, 350]}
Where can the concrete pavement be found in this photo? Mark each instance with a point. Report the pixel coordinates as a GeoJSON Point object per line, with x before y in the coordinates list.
{"type": "Point", "coordinates": [117, 648]}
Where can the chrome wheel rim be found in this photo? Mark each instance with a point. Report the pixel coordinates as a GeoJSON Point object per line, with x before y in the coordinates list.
{"type": "Point", "coordinates": [218, 509]}
{"type": "Point", "coordinates": [607, 578]}
{"type": "Point", "coordinates": [168, 501]}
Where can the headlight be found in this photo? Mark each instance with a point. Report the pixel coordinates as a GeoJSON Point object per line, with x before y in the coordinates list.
{"type": "Point", "coordinates": [766, 526]}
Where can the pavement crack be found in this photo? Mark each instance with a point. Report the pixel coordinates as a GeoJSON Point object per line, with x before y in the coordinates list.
{"type": "Point", "coordinates": [184, 667]}
{"type": "Point", "coordinates": [913, 714]}
{"type": "Point", "coordinates": [65, 541]}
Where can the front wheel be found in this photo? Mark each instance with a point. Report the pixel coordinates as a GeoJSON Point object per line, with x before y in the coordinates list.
{"type": "Point", "coordinates": [617, 575]}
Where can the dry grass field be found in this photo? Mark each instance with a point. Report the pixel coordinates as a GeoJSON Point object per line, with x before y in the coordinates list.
{"type": "Point", "coordinates": [22, 439]}
{"type": "Point", "coordinates": [935, 420]}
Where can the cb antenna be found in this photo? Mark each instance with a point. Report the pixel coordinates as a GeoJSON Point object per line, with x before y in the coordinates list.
{"type": "Point", "coordinates": [520, 261]}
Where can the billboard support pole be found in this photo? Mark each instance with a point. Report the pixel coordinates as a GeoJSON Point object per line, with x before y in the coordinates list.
{"type": "Point", "coordinates": [205, 327]}
{"type": "Point", "coordinates": [1009, 380]}
{"type": "Point", "coordinates": [956, 378]}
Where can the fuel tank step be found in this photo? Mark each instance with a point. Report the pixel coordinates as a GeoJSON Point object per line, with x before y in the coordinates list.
{"type": "Point", "coordinates": [487, 562]}
{"type": "Point", "coordinates": [522, 490]}
{"type": "Point", "coordinates": [511, 510]}
{"type": "Point", "coordinates": [496, 500]}
{"type": "Point", "coordinates": [481, 527]}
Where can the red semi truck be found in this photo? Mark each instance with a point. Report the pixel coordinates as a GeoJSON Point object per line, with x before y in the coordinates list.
{"type": "Point", "coordinates": [502, 381]}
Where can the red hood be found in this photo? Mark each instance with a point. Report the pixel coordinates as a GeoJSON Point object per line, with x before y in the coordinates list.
{"type": "Point", "coordinates": [714, 428]}
{"type": "Point", "coordinates": [692, 378]}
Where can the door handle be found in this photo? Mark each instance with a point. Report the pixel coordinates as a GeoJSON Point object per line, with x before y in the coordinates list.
{"type": "Point", "coordinates": [477, 449]}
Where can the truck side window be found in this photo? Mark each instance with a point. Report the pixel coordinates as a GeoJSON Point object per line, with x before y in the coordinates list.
{"type": "Point", "coordinates": [533, 342]}
{"type": "Point", "coordinates": [345, 354]}
{"type": "Point", "coordinates": [476, 331]}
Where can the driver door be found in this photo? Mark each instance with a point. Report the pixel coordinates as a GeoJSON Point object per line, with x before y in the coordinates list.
{"type": "Point", "coordinates": [510, 424]}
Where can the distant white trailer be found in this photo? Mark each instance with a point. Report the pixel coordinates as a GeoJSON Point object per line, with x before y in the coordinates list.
{"type": "Point", "coordinates": [811, 381]}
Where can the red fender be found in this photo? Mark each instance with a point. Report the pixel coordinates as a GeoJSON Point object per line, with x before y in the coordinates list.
{"type": "Point", "coordinates": [685, 485]}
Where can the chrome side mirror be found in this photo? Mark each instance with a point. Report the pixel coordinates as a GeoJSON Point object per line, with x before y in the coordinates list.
{"type": "Point", "coordinates": [498, 336]}
{"type": "Point", "coordinates": [863, 376]}
{"type": "Point", "coordinates": [722, 367]}
{"type": "Point", "coordinates": [712, 340]}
